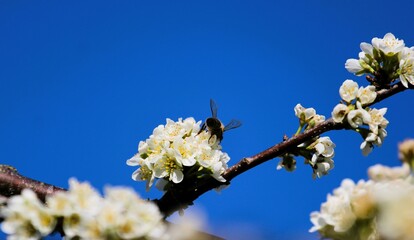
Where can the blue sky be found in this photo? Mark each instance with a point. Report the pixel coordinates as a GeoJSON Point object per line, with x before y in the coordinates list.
{"type": "Point", "coordinates": [81, 83]}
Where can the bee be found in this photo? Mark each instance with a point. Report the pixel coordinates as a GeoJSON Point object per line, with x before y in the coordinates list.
{"type": "Point", "coordinates": [215, 126]}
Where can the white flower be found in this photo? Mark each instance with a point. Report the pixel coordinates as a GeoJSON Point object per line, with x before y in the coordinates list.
{"type": "Point", "coordinates": [26, 217]}
{"type": "Point", "coordinates": [325, 147]}
{"type": "Point", "coordinates": [339, 112]}
{"type": "Point", "coordinates": [316, 120]}
{"type": "Point", "coordinates": [144, 214]}
{"type": "Point", "coordinates": [287, 162]}
{"type": "Point", "coordinates": [389, 44]}
{"type": "Point", "coordinates": [380, 172]}
{"type": "Point", "coordinates": [122, 214]}
{"type": "Point", "coordinates": [358, 117]}
{"type": "Point", "coordinates": [348, 90]}
{"type": "Point", "coordinates": [353, 66]}
{"type": "Point", "coordinates": [59, 204]}
{"type": "Point", "coordinates": [377, 119]}
{"type": "Point", "coordinates": [322, 166]}
{"type": "Point", "coordinates": [368, 144]}
{"type": "Point", "coordinates": [396, 217]}
{"type": "Point", "coordinates": [367, 95]}
{"type": "Point", "coordinates": [373, 139]}
{"type": "Point", "coordinates": [304, 114]}
{"type": "Point", "coordinates": [86, 198]}
{"type": "Point", "coordinates": [367, 50]}
{"type": "Point", "coordinates": [407, 66]}
{"type": "Point", "coordinates": [318, 221]}
{"type": "Point", "coordinates": [185, 150]}
{"type": "Point", "coordinates": [362, 200]}
{"type": "Point", "coordinates": [338, 212]}
{"type": "Point", "coordinates": [168, 167]}
{"type": "Point", "coordinates": [145, 173]}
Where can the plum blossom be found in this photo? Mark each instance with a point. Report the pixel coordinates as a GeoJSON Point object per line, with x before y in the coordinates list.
{"type": "Point", "coordinates": [339, 112]}
{"type": "Point", "coordinates": [348, 90]}
{"type": "Point", "coordinates": [367, 94]}
{"type": "Point", "coordinates": [173, 149]}
{"type": "Point", "coordinates": [358, 117]}
{"type": "Point", "coordinates": [389, 45]}
{"type": "Point", "coordinates": [120, 214]}
{"type": "Point", "coordinates": [304, 114]}
{"type": "Point", "coordinates": [406, 66]}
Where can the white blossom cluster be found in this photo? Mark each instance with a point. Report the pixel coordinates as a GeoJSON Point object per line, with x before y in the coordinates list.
{"type": "Point", "coordinates": [388, 55]}
{"type": "Point", "coordinates": [84, 214]}
{"type": "Point", "coordinates": [380, 208]}
{"type": "Point", "coordinates": [177, 150]}
{"type": "Point", "coordinates": [318, 152]}
{"type": "Point", "coordinates": [307, 117]}
{"type": "Point", "coordinates": [352, 111]}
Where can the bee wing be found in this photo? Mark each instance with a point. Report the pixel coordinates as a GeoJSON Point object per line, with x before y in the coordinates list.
{"type": "Point", "coordinates": [213, 108]}
{"type": "Point", "coordinates": [232, 124]}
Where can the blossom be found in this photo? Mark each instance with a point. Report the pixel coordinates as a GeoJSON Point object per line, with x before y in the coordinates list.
{"type": "Point", "coordinates": [176, 148]}
{"type": "Point", "coordinates": [26, 217]}
{"type": "Point", "coordinates": [377, 119]}
{"type": "Point", "coordinates": [169, 167]}
{"type": "Point", "coordinates": [397, 214]}
{"type": "Point", "coordinates": [362, 200]}
{"type": "Point", "coordinates": [406, 66]}
{"type": "Point", "coordinates": [379, 172]}
{"type": "Point", "coordinates": [338, 212]}
{"type": "Point", "coordinates": [316, 120]}
{"type": "Point", "coordinates": [318, 221]}
{"type": "Point", "coordinates": [358, 117]}
{"type": "Point", "coordinates": [348, 90]}
{"type": "Point", "coordinates": [367, 51]}
{"type": "Point", "coordinates": [322, 166]}
{"type": "Point", "coordinates": [354, 66]}
{"type": "Point", "coordinates": [304, 114]}
{"type": "Point", "coordinates": [366, 95]}
{"type": "Point", "coordinates": [339, 112]}
{"type": "Point", "coordinates": [379, 208]}
{"type": "Point", "coordinates": [325, 147]}
{"type": "Point", "coordinates": [120, 214]}
{"type": "Point", "coordinates": [368, 144]}
{"type": "Point", "coordinates": [389, 45]}
{"type": "Point", "coordinates": [287, 162]}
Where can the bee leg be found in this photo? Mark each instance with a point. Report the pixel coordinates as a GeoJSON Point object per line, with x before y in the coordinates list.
{"type": "Point", "coordinates": [203, 127]}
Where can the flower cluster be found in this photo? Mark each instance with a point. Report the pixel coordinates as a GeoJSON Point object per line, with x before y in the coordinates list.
{"type": "Point", "coordinates": [318, 152]}
{"type": "Point", "coordinates": [307, 117]}
{"type": "Point", "coordinates": [380, 208]}
{"type": "Point", "coordinates": [84, 214]}
{"type": "Point", "coordinates": [353, 110]}
{"type": "Point", "coordinates": [177, 150]}
{"type": "Point", "coordinates": [387, 59]}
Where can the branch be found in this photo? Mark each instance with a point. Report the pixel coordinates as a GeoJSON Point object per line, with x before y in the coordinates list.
{"type": "Point", "coordinates": [173, 201]}
{"type": "Point", "coordinates": [12, 183]}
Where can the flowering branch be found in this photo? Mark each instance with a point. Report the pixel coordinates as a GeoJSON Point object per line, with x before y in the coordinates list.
{"type": "Point", "coordinates": [173, 201]}
{"type": "Point", "coordinates": [12, 183]}
{"type": "Point", "coordinates": [186, 160]}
